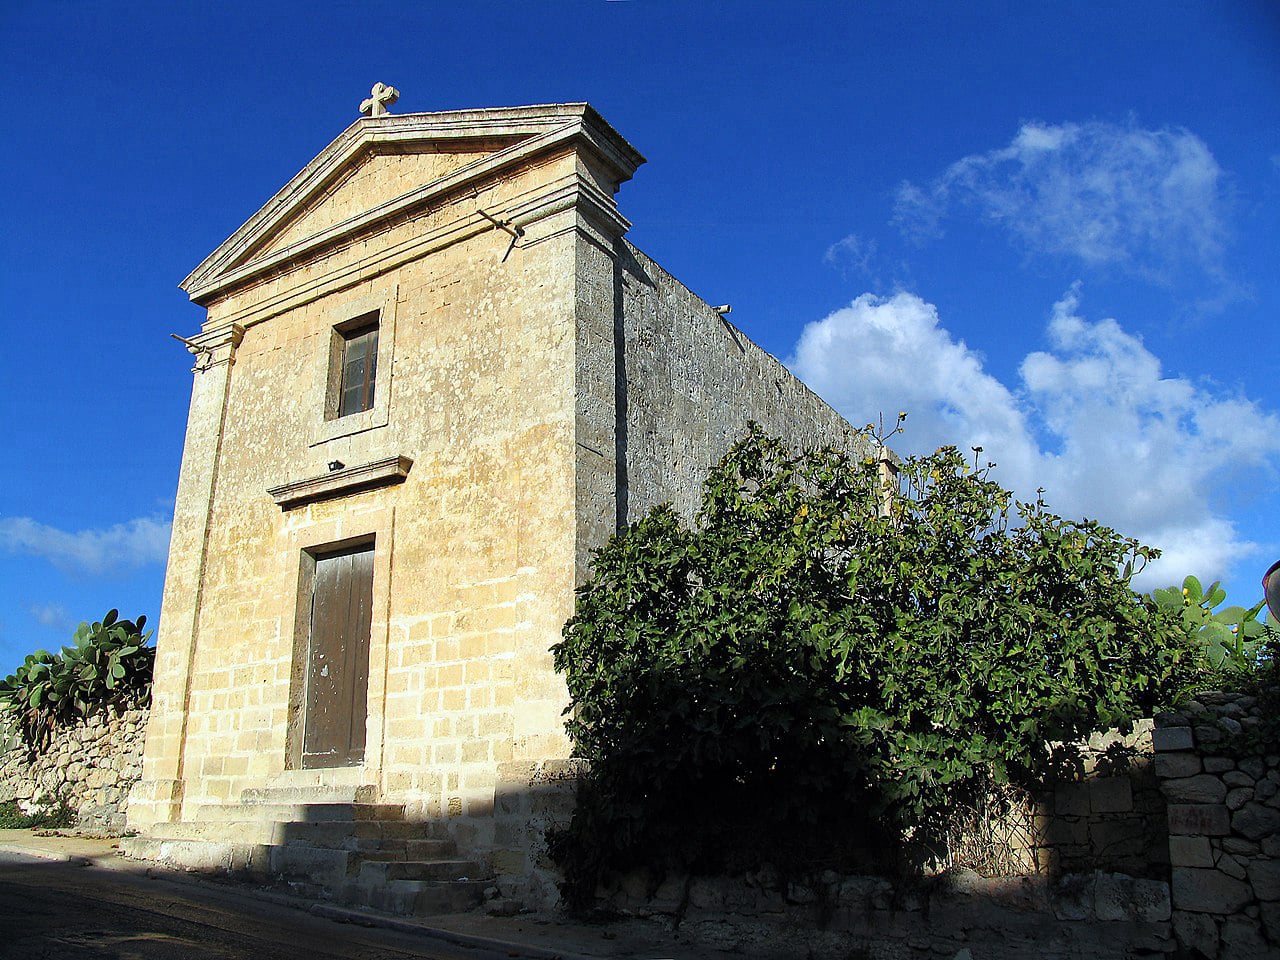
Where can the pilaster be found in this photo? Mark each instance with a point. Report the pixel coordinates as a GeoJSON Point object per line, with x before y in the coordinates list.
{"type": "Point", "coordinates": [157, 798]}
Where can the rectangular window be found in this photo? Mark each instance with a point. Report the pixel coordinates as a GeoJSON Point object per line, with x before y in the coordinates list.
{"type": "Point", "coordinates": [352, 366]}
{"type": "Point", "coordinates": [359, 367]}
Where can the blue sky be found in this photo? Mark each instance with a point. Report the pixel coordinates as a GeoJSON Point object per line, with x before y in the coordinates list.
{"type": "Point", "coordinates": [1052, 233]}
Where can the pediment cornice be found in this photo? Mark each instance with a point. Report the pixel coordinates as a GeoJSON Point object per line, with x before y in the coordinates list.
{"type": "Point", "coordinates": [528, 131]}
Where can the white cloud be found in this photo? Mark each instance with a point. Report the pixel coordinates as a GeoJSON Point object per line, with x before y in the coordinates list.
{"type": "Point", "coordinates": [1148, 202]}
{"type": "Point", "coordinates": [852, 255]}
{"type": "Point", "coordinates": [115, 549]}
{"type": "Point", "coordinates": [52, 615]}
{"type": "Point", "coordinates": [1092, 420]}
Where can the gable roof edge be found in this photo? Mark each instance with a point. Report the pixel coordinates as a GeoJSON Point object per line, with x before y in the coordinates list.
{"type": "Point", "coordinates": [531, 122]}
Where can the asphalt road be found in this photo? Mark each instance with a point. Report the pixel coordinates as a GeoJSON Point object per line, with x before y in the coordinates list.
{"type": "Point", "coordinates": [64, 911]}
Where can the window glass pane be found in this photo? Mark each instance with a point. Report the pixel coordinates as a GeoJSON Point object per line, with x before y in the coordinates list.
{"type": "Point", "coordinates": [359, 369]}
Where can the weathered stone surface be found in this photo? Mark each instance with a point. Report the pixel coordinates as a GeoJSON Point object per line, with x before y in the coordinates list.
{"type": "Point", "coordinates": [1242, 939]}
{"type": "Point", "coordinates": [1172, 738]}
{"type": "Point", "coordinates": [1120, 897]}
{"type": "Point", "coordinates": [1190, 852]}
{"type": "Point", "coordinates": [1071, 799]}
{"type": "Point", "coordinates": [1256, 821]}
{"type": "Point", "coordinates": [1269, 914]}
{"type": "Point", "coordinates": [1064, 830]}
{"type": "Point", "coordinates": [1204, 788]}
{"type": "Point", "coordinates": [1211, 820]}
{"type": "Point", "coordinates": [1117, 838]}
{"type": "Point", "coordinates": [1171, 765]}
{"type": "Point", "coordinates": [1111, 795]}
{"type": "Point", "coordinates": [1208, 733]}
{"type": "Point", "coordinates": [1208, 891]}
{"type": "Point", "coordinates": [91, 765]}
{"type": "Point", "coordinates": [1218, 764]}
{"type": "Point", "coordinates": [1073, 897]}
{"type": "Point", "coordinates": [1238, 797]}
{"type": "Point", "coordinates": [1231, 866]}
{"type": "Point", "coordinates": [1237, 778]}
{"type": "Point", "coordinates": [1264, 875]}
{"type": "Point", "coordinates": [1196, 932]}
{"type": "Point", "coordinates": [1229, 725]}
{"type": "Point", "coordinates": [1255, 767]}
{"type": "Point", "coordinates": [1241, 846]}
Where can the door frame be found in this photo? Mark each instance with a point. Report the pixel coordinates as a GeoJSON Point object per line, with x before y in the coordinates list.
{"type": "Point", "coordinates": [355, 686]}
{"type": "Point", "coordinates": [300, 547]}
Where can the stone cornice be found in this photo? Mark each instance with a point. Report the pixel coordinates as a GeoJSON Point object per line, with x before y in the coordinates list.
{"type": "Point", "coordinates": [540, 129]}
{"type": "Point", "coordinates": [524, 211]}
{"type": "Point", "coordinates": [340, 483]}
{"type": "Point", "coordinates": [215, 346]}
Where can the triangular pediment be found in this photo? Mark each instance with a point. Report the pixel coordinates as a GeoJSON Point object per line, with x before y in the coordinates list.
{"type": "Point", "coordinates": [380, 167]}
{"type": "Point", "coordinates": [378, 177]}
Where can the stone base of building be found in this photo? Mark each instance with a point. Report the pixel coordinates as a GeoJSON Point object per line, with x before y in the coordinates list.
{"type": "Point", "coordinates": [338, 838]}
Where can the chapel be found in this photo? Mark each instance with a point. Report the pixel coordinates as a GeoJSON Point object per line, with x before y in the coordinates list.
{"type": "Point", "coordinates": [433, 375]}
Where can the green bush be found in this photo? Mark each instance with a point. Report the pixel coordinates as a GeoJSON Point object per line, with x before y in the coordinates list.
{"type": "Point", "coordinates": [59, 815]}
{"type": "Point", "coordinates": [816, 673]}
{"type": "Point", "coordinates": [109, 663]}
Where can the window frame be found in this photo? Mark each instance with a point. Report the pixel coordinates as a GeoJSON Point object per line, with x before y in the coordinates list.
{"type": "Point", "coordinates": [343, 318]}
{"type": "Point", "coordinates": [345, 336]}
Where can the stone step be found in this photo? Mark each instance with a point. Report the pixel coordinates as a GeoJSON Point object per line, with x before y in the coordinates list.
{"type": "Point", "coordinates": [201, 855]}
{"type": "Point", "coordinates": [356, 834]}
{"type": "Point", "coordinates": [297, 812]}
{"type": "Point", "coordinates": [385, 871]}
{"type": "Point", "coordinates": [403, 887]}
{"type": "Point", "coordinates": [417, 898]}
{"type": "Point", "coordinates": [340, 834]}
{"type": "Point", "coordinates": [411, 850]}
{"type": "Point", "coordinates": [308, 794]}
{"type": "Point", "coordinates": [321, 865]}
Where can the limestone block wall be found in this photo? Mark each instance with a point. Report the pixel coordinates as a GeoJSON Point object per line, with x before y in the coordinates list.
{"type": "Point", "coordinates": [92, 765]}
{"type": "Point", "coordinates": [1111, 815]}
{"type": "Point", "coordinates": [473, 559]}
{"type": "Point", "coordinates": [531, 799]}
{"type": "Point", "coordinates": [693, 381]}
{"type": "Point", "coordinates": [1219, 768]}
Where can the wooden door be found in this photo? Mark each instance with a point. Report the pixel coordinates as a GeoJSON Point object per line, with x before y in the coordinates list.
{"type": "Point", "coordinates": [338, 658]}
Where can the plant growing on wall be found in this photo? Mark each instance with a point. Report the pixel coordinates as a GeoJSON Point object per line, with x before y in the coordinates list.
{"type": "Point", "coordinates": [109, 662]}
{"type": "Point", "coordinates": [817, 671]}
{"type": "Point", "coordinates": [1232, 639]}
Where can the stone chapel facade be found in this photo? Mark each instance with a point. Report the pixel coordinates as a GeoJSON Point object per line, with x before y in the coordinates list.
{"type": "Point", "coordinates": [434, 375]}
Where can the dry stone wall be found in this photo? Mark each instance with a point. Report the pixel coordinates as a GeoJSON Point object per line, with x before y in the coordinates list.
{"type": "Point", "coordinates": [1110, 815]}
{"type": "Point", "coordinates": [1219, 766]}
{"type": "Point", "coordinates": [1164, 842]}
{"type": "Point", "coordinates": [1104, 813]}
{"type": "Point", "coordinates": [91, 765]}
{"type": "Point", "coordinates": [958, 915]}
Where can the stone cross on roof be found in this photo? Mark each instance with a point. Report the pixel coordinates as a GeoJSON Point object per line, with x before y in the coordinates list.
{"type": "Point", "coordinates": [380, 97]}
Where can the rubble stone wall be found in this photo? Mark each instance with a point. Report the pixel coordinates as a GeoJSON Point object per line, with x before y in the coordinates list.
{"type": "Point", "coordinates": [1218, 761]}
{"type": "Point", "coordinates": [1161, 842]}
{"type": "Point", "coordinates": [1105, 812]}
{"type": "Point", "coordinates": [954, 916]}
{"type": "Point", "coordinates": [92, 765]}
